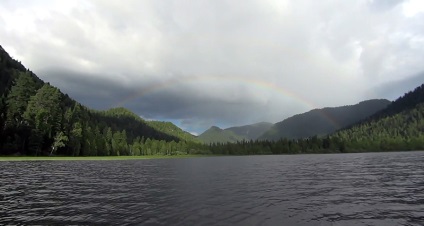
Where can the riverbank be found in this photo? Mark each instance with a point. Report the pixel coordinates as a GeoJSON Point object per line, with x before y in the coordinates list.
{"type": "Point", "coordinates": [91, 158]}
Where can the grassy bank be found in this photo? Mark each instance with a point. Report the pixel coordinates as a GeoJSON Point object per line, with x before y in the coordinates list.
{"type": "Point", "coordinates": [91, 158]}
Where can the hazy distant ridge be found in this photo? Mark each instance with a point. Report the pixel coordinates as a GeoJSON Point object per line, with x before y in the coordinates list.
{"type": "Point", "coordinates": [234, 134]}
{"type": "Point", "coordinates": [323, 121]}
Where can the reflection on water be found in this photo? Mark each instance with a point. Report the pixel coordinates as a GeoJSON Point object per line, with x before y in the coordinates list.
{"type": "Point", "coordinates": [344, 189]}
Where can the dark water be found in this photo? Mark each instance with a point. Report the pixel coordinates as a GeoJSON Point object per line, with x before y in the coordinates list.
{"type": "Point", "coordinates": [344, 189]}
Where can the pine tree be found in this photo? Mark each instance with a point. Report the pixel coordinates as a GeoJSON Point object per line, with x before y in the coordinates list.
{"type": "Point", "coordinates": [44, 114]}
{"type": "Point", "coordinates": [109, 138]}
{"type": "Point", "coordinates": [3, 110]}
{"type": "Point", "coordinates": [43, 110]}
{"type": "Point", "coordinates": [75, 139]}
{"type": "Point", "coordinates": [17, 100]}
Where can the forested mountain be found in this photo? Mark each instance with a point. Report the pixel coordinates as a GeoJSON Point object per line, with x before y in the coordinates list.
{"type": "Point", "coordinates": [233, 134]}
{"type": "Point", "coordinates": [408, 101]}
{"type": "Point", "coordinates": [218, 135]}
{"type": "Point", "coordinates": [400, 126]}
{"type": "Point", "coordinates": [323, 121]}
{"type": "Point", "coordinates": [36, 118]}
{"type": "Point", "coordinates": [173, 130]}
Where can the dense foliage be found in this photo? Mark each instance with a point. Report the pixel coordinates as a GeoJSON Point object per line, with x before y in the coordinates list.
{"type": "Point", "coordinates": [282, 146]}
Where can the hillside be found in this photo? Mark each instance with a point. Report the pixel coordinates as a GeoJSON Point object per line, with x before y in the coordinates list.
{"type": "Point", "coordinates": [234, 134]}
{"type": "Point", "coordinates": [37, 118]}
{"type": "Point", "coordinates": [323, 121]}
{"type": "Point", "coordinates": [251, 132]}
{"type": "Point", "coordinates": [173, 130]}
{"type": "Point", "coordinates": [398, 127]}
{"type": "Point", "coordinates": [218, 135]}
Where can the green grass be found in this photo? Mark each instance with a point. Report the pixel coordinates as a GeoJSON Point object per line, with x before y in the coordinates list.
{"type": "Point", "coordinates": [91, 158]}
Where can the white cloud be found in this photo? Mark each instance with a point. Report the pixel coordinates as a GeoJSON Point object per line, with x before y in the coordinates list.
{"type": "Point", "coordinates": [413, 7]}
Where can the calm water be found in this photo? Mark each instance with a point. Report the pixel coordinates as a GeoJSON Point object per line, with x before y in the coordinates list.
{"type": "Point", "coordinates": [344, 189]}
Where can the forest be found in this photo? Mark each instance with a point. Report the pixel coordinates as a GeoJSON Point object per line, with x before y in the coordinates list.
{"type": "Point", "coordinates": [38, 119]}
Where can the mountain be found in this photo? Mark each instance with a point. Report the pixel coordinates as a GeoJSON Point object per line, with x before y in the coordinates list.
{"type": "Point", "coordinates": [37, 118]}
{"type": "Point", "coordinates": [408, 101]}
{"type": "Point", "coordinates": [173, 130]}
{"type": "Point", "coordinates": [400, 126]}
{"type": "Point", "coordinates": [218, 135]}
{"type": "Point", "coordinates": [251, 132]}
{"type": "Point", "coordinates": [234, 134]}
{"type": "Point", "coordinates": [323, 121]}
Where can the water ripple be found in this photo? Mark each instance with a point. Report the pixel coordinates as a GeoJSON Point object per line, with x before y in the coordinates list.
{"type": "Point", "coordinates": [348, 189]}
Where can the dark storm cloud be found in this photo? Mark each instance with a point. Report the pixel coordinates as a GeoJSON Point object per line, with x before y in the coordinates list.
{"type": "Point", "coordinates": [181, 102]}
{"type": "Point", "coordinates": [91, 90]}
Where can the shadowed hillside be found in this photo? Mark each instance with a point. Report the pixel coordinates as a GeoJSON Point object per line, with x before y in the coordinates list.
{"type": "Point", "coordinates": [218, 135]}
{"type": "Point", "coordinates": [234, 134]}
{"type": "Point", "coordinates": [251, 132]}
{"type": "Point", "coordinates": [323, 121]}
{"type": "Point", "coordinates": [400, 126]}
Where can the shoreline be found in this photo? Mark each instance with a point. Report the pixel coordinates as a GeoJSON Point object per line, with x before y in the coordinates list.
{"type": "Point", "coordinates": [91, 158]}
{"type": "Point", "coordinates": [146, 157]}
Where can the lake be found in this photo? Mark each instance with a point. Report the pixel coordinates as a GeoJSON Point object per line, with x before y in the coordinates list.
{"type": "Point", "coordinates": [322, 189]}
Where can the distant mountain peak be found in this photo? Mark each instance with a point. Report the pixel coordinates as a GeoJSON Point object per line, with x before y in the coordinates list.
{"type": "Point", "coordinates": [234, 134]}
{"type": "Point", "coordinates": [215, 128]}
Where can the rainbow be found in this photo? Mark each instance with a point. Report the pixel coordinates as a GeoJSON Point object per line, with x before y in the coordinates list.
{"type": "Point", "coordinates": [259, 84]}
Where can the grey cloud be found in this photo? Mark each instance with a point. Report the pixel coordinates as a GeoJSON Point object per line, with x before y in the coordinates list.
{"type": "Point", "coordinates": [383, 5]}
{"type": "Point", "coordinates": [393, 90]}
{"type": "Point", "coordinates": [228, 63]}
{"type": "Point", "coordinates": [179, 102]}
{"type": "Point", "coordinates": [91, 90]}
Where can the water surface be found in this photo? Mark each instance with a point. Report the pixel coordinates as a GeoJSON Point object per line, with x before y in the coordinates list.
{"type": "Point", "coordinates": [336, 189]}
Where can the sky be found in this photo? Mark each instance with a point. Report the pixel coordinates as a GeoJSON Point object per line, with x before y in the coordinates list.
{"type": "Point", "coordinates": [226, 63]}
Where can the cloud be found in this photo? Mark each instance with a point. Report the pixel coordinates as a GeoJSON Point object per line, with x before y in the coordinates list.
{"type": "Point", "coordinates": [393, 90]}
{"type": "Point", "coordinates": [93, 90]}
{"type": "Point", "coordinates": [203, 63]}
